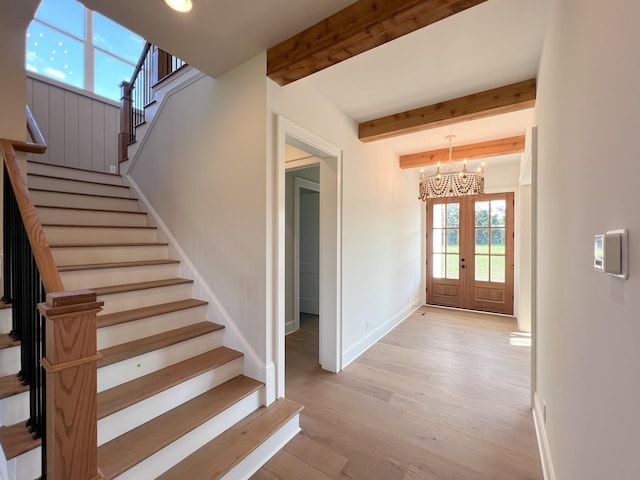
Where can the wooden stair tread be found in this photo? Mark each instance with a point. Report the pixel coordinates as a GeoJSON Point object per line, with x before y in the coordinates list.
{"type": "Point", "coordinates": [55, 177]}
{"type": "Point", "coordinates": [97, 266]}
{"type": "Point", "coordinates": [131, 448]}
{"type": "Point", "coordinates": [126, 394]}
{"type": "Point", "coordinates": [85, 209]}
{"type": "Point", "coordinates": [224, 452]}
{"type": "Point", "coordinates": [72, 168]}
{"type": "Point", "coordinates": [16, 440]}
{"type": "Point", "coordinates": [131, 287]}
{"type": "Point", "coordinates": [146, 312]}
{"type": "Point", "coordinates": [51, 190]}
{"type": "Point", "coordinates": [7, 342]}
{"type": "Point", "coordinates": [10, 385]}
{"type": "Point", "coordinates": [84, 225]}
{"type": "Point", "coordinates": [117, 353]}
{"type": "Point", "coordinates": [114, 244]}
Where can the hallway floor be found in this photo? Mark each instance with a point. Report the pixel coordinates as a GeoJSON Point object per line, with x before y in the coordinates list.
{"type": "Point", "coordinates": [445, 396]}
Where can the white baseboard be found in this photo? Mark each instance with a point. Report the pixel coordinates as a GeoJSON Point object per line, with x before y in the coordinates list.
{"type": "Point", "coordinates": [233, 338]}
{"type": "Point", "coordinates": [543, 443]}
{"type": "Point", "coordinates": [375, 335]}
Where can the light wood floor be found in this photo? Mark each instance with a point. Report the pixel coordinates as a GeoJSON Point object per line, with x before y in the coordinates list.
{"type": "Point", "coordinates": [445, 396]}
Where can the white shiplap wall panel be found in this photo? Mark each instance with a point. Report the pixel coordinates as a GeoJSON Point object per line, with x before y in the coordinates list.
{"type": "Point", "coordinates": [97, 140]}
{"type": "Point", "coordinates": [40, 110]}
{"type": "Point", "coordinates": [55, 140]}
{"type": "Point", "coordinates": [72, 130]}
{"type": "Point", "coordinates": [84, 133]}
{"type": "Point", "coordinates": [81, 130]}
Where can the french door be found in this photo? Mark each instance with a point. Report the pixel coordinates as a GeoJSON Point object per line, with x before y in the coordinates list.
{"type": "Point", "coordinates": [470, 252]}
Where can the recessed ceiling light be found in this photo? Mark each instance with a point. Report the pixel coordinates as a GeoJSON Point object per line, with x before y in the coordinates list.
{"type": "Point", "coordinates": [180, 5]}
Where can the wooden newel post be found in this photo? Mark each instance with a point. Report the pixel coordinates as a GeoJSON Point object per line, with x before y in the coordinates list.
{"type": "Point", "coordinates": [126, 121]}
{"type": "Point", "coordinates": [71, 378]}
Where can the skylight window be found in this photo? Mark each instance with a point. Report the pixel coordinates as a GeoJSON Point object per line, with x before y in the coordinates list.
{"type": "Point", "coordinates": [74, 45]}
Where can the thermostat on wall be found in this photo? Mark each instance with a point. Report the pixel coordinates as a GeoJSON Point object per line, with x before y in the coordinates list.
{"type": "Point", "coordinates": [610, 253]}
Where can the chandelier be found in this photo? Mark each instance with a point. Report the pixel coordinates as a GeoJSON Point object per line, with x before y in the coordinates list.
{"type": "Point", "coordinates": [452, 182]}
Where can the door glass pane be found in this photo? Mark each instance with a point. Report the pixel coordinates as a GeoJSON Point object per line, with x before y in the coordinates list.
{"type": "Point", "coordinates": [453, 267]}
{"type": "Point", "coordinates": [439, 264]}
{"type": "Point", "coordinates": [498, 213]}
{"type": "Point", "coordinates": [482, 214]}
{"type": "Point", "coordinates": [453, 215]}
{"type": "Point", "coordinates": [498, 268]}
{"type": "Point", "coordinates": [453, 241]}
{"type": "Point", "coordinates": [497, 241]}
{"type": "Point", "coordinates": [438, 215]}
{"type": "Point", "coordinates": [482, 240]}
{"type": "Point", "coordinates": [438, 240]}
{"type": "Point", "coordinates": [482, 268]}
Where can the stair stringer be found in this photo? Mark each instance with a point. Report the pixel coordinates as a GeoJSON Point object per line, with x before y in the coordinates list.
{"type": "Point", "coordinates": [254, 367]}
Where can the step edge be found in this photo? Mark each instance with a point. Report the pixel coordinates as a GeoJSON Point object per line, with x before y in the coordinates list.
{"type": "Point", "coordinates": [204, 328]}
{"type": "Point", "coordinates": [131, 315]}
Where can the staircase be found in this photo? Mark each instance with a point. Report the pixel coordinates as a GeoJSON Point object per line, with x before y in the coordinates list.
{"type": "Point", "coordinates": [173, 402]}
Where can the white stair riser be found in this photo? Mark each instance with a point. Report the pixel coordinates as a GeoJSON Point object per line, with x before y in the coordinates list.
{"type": "Point", "coordinates": [166, 458]}
{"type": "Point", "coordinates": [9, 361]}
{"type": "Point", "coordinates": [14, 409]}
{"type": "Point", "coordinates": [131, 417]}
{"type": "Point", "coordinates": [57, 199]}
{"type": "Point", "coordinates": [102, 277]}
{"type": "Point", "coordinates": [76, 174]}
{"type": "Point", "coordinates": [5, 320]}
{"type": "Point", "coordinates": [136, 367]}
{"type": "Point", "coordinates": [117, 302]}
{"type": "Point", "coordinates": [89, 255]}
{"type": "Point", "coordinates": [63, 185]}
{"type": "Point", "coordinates": [256, 459]}
{"type": "Point", "coordinates": [62, 216]}
{"type": "Point", "coordinates": [129, 331]}
{"type": "Point", "coordinates": [63, 234]}
{"type": "Point", "coordinates": [27, 466]}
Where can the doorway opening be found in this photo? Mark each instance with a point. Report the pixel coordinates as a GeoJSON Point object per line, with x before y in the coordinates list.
{"type": "Point", "coordinates": [300, 153]}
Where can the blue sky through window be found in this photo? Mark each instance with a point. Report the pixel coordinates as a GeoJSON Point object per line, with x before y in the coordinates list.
{"type": "Point", "coordinates": [56, 44]}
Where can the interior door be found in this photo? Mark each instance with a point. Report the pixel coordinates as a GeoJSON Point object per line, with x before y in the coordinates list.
{"type": "Point", "coordinates": [309, 251]}
{"type": "Point", "coordinates": [470, 252]}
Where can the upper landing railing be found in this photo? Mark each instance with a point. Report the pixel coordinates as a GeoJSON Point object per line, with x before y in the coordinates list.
{"type": "Point", "coordinates": [153, 66]}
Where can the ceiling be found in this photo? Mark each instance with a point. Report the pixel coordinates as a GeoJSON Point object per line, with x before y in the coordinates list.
{"type": "Point", "coordinates": [490, 45]}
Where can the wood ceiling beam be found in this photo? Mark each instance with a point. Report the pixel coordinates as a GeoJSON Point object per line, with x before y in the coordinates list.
{"type": "Point", "coordinates": [510, 98]}
{"type": "Point", "coordinates": [475, 150]}
{"type": "Point", "coordinates": [357, 28]}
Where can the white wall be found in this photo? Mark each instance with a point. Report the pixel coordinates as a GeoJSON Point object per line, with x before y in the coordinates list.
{"type": "Point", "coordinates": [382, 267]}
{"type": "Point", "coordinates": [203, 168]}
{"type": "Point", "coordinates": [14, 20]}
{"type": "Point", "coordinates": [81, 130]}
{"type": "Point", "coordinates": [588, 324]}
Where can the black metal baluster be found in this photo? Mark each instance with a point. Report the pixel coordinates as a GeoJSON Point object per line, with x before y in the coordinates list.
{"type": "Point", "coordinates": [23, 288]}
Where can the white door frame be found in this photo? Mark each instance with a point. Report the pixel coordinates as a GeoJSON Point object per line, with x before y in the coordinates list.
{"type": "Point", "coordinates": [300, 183]}
{"type": "Point", "coordinates": [329, 157]}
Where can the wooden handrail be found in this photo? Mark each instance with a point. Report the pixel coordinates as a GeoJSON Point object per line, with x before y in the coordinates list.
{"type": "Point", "coordinates": [34, 131]}
{"type": "Point", "coordinates": [136, 71]}
{"type": "Point", "coordinates": [43, 256]}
